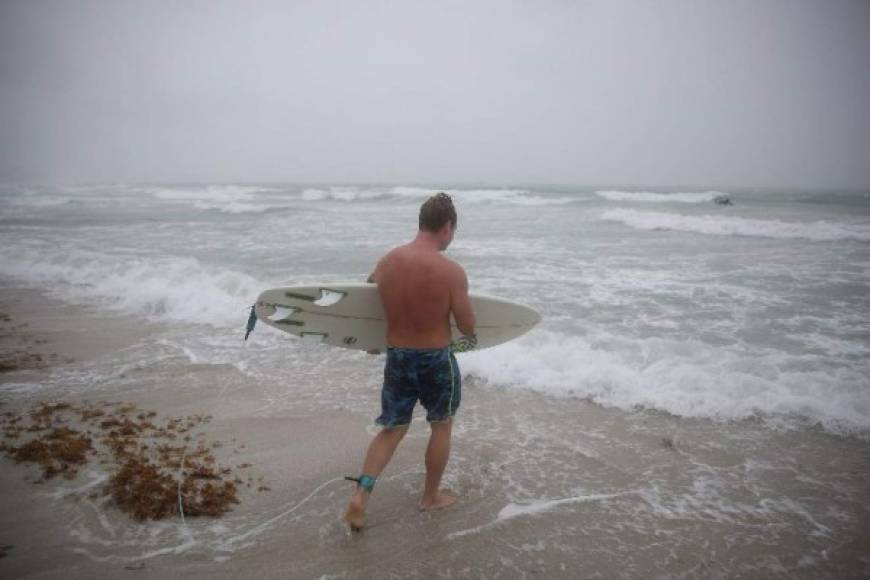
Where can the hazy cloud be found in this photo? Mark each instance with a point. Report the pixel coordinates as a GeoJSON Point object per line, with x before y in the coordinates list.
{"type": "Point", "coordinates": [754, 93]}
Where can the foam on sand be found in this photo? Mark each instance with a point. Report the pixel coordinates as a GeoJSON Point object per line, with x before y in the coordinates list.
{"type": "Point", "coordinates": [514, 510]}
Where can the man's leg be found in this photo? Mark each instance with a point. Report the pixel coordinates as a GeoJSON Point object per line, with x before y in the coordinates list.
{"type": "Point", "coordinates": [437, 454]}
{"type": "Point", "coordinates": [379, 454]}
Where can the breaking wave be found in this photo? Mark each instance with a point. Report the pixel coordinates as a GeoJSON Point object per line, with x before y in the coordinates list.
{"type": "Point", "coordinates": [685, 378]}
{"type": "Point", "coordinates": [165, 288]}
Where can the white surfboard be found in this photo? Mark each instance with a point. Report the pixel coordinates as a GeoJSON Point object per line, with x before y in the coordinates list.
{"type": "Point", "coordinates": [351, 316]}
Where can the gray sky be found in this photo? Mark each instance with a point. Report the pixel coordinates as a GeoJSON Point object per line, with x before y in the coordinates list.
{"type": "Point", "coordinates": [728, 93]}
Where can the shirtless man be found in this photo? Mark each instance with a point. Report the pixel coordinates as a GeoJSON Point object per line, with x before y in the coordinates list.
{"type": "Point", "coordinates": [419, 289]}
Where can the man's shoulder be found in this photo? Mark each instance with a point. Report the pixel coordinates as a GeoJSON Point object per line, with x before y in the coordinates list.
{"type": "Point", "coordinates": [392, 254]}
{"type": "Point", "coordinates": [396, 250]}
{"type": "Point", "coordinates": [452, 269]}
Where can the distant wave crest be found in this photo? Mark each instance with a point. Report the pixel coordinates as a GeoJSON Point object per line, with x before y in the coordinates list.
{"type": "Point", "coordinates": [738, 226]}
{"type": "Point", "coordinates": [650, 197]}
{"type": "Point", "coordinates": [208, 192]}
{"type": "Point", "coordinates": [236, 207]}
{"type": "Point", "coordinates": [473, 196]}
{"type": "Point", "coordinates": [229, 199]}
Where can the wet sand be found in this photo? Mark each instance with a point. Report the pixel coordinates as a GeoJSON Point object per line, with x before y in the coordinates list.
{"type": "Point", "coordinates": [550, 488]}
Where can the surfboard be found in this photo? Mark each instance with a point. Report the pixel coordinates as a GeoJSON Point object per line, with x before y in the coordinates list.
{"type": "Point", "coordinates": [351, 316]}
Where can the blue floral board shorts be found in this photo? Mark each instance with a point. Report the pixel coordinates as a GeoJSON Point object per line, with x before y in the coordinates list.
{"type": "Point", "coordinates": [429, 375]}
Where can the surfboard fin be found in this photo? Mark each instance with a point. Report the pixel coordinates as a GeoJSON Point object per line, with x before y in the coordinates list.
{"type": "Point", "coordinates": [311, 338]}
{"type": "Point", "coordinates": [282, 313]}
{"type": "Point", "coordinates": [329, 297]}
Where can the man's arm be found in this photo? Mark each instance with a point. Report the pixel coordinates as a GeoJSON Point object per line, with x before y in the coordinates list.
{"type": "Point", "coordinates": [371, 280]}
{"type": "Point", "coordinates": [460, 303]}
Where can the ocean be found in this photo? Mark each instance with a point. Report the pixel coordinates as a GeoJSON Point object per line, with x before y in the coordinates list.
{"type": "Point", "coordinates": [650, 300]}
{"type": "Point", "coordinates": [737, 335]}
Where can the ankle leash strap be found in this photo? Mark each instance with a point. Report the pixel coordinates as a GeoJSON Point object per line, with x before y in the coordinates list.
{"type": "Point", "coordinates": [367, 482]}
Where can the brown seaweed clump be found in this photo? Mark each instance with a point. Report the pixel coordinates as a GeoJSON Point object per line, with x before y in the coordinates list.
{"type": "Point", "coordinates": [143, 490]}
{"type": "Point", "coordinates": [44, 415]}
{"type": "Point", "coordinates": [149, 473]}
{"type": "Point", "coordinates": [59, 451]}
{"type": "Point", "coordinates": [148, 490]}
{"type": "Point", "coordinates": [21, 360]}
{"type": "Point", "coordinates": [208, 499]}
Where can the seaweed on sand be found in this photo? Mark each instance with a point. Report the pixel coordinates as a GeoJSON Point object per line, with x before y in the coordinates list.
{"type": "Point", "coordinates": [149, 474]}
{"type": "Point", "coordinates": [59, 451]}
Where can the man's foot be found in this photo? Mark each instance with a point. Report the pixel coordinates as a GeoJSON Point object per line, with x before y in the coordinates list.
{"type": "Point", "coordinates": [443, 500]}
{"type": "Point", "coordinates": [355, 516]}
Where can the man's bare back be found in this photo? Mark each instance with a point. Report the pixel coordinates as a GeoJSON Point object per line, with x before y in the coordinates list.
{"type": "Point", "coordinates": [419, 288]}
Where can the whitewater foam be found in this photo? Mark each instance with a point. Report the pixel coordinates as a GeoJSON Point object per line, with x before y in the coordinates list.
{"type": "Point", "coordinates": [738, 226]}
{"type": "Point", "coordinates": [165, 288]}
{"type": "Point", "coordinates": [683, 377]}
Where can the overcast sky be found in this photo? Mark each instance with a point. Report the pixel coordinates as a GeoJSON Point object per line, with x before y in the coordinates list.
{"type": "Point", "coordinates": [656, 93]}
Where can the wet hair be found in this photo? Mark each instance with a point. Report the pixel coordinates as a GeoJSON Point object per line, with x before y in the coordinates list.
{"type": "Point", "coordinates": [437, 211]}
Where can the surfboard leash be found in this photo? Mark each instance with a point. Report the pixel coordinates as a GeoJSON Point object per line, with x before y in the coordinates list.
{"type": "Point", "coordinates": [367, 482]}
{"type": "Point", "coordinates": [252, 322]}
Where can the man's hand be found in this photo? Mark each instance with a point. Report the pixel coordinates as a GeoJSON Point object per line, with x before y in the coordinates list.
{"type": "Point", "coordinates": [460, 303]}
{"type": "Point", "coordinates": [464, 343]}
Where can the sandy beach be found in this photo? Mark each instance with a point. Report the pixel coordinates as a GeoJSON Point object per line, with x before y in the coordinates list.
{"type": "Point", "coordinates": [553, 488]}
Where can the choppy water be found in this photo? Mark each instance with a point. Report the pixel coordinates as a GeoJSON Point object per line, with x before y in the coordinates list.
{"type": "Point", "coordinates": [695, 403]}
{"type": "Point", "coordinates": [657, 300]}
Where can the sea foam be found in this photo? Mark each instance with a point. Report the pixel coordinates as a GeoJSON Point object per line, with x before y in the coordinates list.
{"type": "Point", "coordinates": [165, 288]}
{"type": "Point", "coordinates": [687, 378]}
